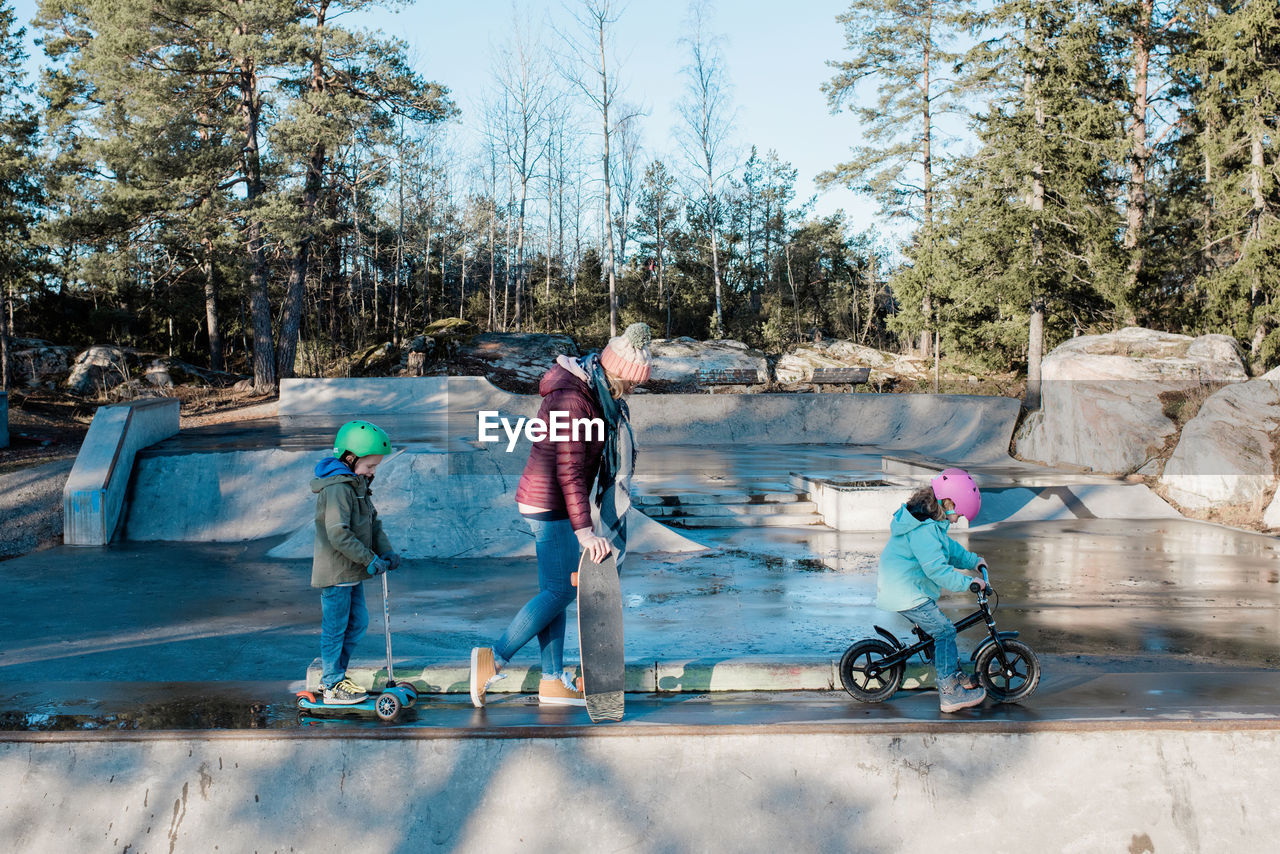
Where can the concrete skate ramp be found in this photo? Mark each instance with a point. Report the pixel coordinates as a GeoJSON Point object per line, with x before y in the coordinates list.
{"type": "Point", "coordinates": [947, 426]}
{"type": "Point", "coordinates": [451, 495]}
{"type": "Point", "coordinates": [431, 504]}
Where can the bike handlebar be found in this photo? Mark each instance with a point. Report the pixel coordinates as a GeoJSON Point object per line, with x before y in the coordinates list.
{"type": "Point", "coordinates": [975, 587]}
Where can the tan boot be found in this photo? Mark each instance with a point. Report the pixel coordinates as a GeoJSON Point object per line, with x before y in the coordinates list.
{"type": "Point", "coordinates": [562, 691]}
{"type": "Point", "coordinates": [484, 672]}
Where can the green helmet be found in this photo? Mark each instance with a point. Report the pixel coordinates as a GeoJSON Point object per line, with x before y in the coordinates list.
{"type": "Point", "coordinates": [362, 439]}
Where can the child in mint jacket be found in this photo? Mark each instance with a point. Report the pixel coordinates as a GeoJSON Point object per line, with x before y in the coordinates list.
{"type": "Point", "coordinates": [920, 561]}
{"type": "Point", "coordinates": [350, 546]}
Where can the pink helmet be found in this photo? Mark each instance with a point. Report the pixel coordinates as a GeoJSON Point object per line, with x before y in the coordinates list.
{"type": "Point", "coordinates": [957, 485]}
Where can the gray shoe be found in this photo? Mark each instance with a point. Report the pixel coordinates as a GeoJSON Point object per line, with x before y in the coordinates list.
{"type": "Point", "coordinates": [953, 695]}
{"type": "Point", "coordinates": [345, 693]}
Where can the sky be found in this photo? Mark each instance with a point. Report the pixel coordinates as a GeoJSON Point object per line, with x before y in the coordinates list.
{"type": "Point", "coordinates": [775, 54]}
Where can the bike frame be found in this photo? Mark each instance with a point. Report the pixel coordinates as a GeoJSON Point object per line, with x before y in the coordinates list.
{"type": "Point", "coordinates": [924, 648]}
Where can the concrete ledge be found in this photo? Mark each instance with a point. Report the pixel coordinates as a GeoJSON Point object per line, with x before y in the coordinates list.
{"type": "Point", "coordinates": [362, 397]}
{"type": "Point", "coordinates": [94, 495]}
{"type": "Point", "coordinates": [644, 676]}
{"type": "Point", "coordinates": [836, 786]}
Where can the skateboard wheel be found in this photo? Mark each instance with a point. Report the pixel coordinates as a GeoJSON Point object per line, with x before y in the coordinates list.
{"type": "Point", "coordinates": [573, 579]}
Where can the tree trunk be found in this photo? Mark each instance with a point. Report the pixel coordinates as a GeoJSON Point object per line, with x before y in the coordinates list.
{"type": "Point", "coordinates": [493, 266]}
{"type": "Point", "coordinates": [1035, 327]}
{"type": "Point", "coordinates": [264, 373]}
{"type": "Point", "coordinates": [4, 340]}
{"type": "Point", "coordinates": [926, 305]}
{"type": "Point", "coordinates": [291, 317]}
{"type": "Point", "coordinates": [1257, 167]}
{"type": "Point", "coordinates": [795, 301]}
{"type": "Point", "coordinates": [1035, 354]}
{"type": "Point", "coordinates": [212, 324]}
{"type": "Point", "coordinates": [718, 331]}
{"type": "Point", "coordinates": [608, 199]}
{"type": "Point", "coordinates": [1139, 156]}
{"type": "Point", "coordinates": [518, 319]}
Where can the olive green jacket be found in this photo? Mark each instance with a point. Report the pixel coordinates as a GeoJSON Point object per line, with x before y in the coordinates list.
{"type": "Point", "coordinates": [349, 533]}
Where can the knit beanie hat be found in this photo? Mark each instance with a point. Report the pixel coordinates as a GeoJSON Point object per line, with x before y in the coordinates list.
{"type": "Point", "coordinates": [627, 355]}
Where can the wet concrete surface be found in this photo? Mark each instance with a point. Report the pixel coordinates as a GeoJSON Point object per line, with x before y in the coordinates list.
{"type": "Point", "coordinates": [1109, 605]}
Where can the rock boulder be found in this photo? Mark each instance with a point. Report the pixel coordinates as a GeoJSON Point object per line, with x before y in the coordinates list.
{"type": "Point", "coordinates": [1225, 454]}
{"type": "Point", "coordinates": [676, 361]}
{"type": "Point", "coordinates": [37, 363]}
{"type": "Point", "coordinates": [513, 361]}
{"type": "Point", "coordinates": [797, 366]}
{"type": "Point", "coordinates": [1109, 401]}
{"type": "Point", "coordinates": [97, 370]}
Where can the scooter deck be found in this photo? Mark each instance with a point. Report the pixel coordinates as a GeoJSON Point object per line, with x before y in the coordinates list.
{"type": "Point", "coordinates": [600, 636]}
{"type": "Point", "coordinates": [386, 704]}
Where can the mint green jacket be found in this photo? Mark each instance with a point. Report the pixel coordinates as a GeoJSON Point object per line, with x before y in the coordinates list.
{"type": "Point", "coordinates": [919, 561]}
{"type": "Point", "coordinates": [348, 531]}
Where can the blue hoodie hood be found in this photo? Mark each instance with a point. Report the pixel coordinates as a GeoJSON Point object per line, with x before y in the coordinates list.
{"type": "Point", "coordinates": [329, 466]}
{"type": "Point", "coordinates": [904, 521]}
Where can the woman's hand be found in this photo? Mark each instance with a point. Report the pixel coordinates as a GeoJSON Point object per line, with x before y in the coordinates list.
{"type": "Point", "coordinates": [597, 547]}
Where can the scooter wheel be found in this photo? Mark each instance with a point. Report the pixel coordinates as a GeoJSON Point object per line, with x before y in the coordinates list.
{"type": "Point", "coordinates": [387, 706]}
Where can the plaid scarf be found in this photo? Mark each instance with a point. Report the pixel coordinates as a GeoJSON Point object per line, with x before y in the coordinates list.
{"type": "Point", "coordinates": [617, 462]}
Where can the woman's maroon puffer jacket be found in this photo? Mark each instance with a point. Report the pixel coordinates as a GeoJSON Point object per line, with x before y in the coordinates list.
{"type": "Point", "coordinates": [559, 475]}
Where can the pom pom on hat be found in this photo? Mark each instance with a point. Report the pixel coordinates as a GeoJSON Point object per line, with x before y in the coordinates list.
{"type": "Point", "coordinates": [626, 356]}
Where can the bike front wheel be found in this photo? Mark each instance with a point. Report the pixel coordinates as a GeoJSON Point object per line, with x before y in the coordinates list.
{"type": "Point", "coordinates": [864, 677]}
{"type": "Point", "coordinates": [1011, 678]}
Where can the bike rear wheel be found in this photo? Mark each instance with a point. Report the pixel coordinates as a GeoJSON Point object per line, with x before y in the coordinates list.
{"type": "Point", "coordinates": [862, 675]}
{"type": "Point", "coordinates": [1013, 679]}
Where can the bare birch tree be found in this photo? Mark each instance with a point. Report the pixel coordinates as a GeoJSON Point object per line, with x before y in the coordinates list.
{"type": "Point", "coordinates": [707, 116]}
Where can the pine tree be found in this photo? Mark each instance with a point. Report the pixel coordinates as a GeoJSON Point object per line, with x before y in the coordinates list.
{"type": "Point", "coordinates": [1032, 231]}
{"type": "Point", "coordinates": [20, 186]}
{"type": "Point", "coordinates": [1238, 56]}
{"type": "Point", "coordinates": [903, 47]}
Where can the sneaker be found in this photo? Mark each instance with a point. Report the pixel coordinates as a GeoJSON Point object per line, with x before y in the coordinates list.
{"type": "Point", "coordinates": [345, 693]}
{"type": "Point", "coordinates": [954, 696]}
{"type": "Point", "coordinates": [484, 672]}
{"type": "Point", "coordinates": [563, 690]}
{"type": "Point", "coordinates": [968, 680]}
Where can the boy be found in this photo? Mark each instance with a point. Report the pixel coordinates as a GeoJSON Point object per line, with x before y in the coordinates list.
{"type": "Point", "coordinates": [350, 546]}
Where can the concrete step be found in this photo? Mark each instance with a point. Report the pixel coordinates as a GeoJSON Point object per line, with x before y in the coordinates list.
{"type": "Point", "coordinates": [675, 511]}
{"type": "Point", "coordinates": [776, 520]}
{"type": "Point", "coordinates": [722, 498]}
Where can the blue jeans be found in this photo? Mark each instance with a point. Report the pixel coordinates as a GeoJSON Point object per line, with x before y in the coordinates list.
{"type": "Point", "coordinates": [543, 615]}
{"type": "Point", "coordinates": [930, 618]}
{"type": "Point", "coordinates": [343, 620]}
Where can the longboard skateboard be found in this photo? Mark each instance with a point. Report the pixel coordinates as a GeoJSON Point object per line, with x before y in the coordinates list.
{"type": "Point", "coordinates": [600, 636]}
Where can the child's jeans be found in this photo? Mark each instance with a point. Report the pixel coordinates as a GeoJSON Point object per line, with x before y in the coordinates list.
{"type": "Point", "coordinates": [343, 620]}
{"type": "Point", "coordinates": [930, 618]}
{"type": "Point", "coordinates": [543, 615]}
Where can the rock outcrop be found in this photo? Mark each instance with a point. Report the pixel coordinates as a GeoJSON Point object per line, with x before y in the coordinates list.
{"type": "Point", "coordinates": [1226, 453]}
{"type": "Point", "coordinates": [676, 361]}
{"type": "Point", "coordinates": [1109, 402]}
{"type": "Point", "coordinates": [798, 365]}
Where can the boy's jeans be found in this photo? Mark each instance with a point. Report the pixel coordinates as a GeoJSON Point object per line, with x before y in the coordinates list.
{"type": "Point", "coordinates": [930, 618]}
{"type": "Point", "coordinates": [543, 615]}
{"type": "Point", "coordinates": [343, 620]}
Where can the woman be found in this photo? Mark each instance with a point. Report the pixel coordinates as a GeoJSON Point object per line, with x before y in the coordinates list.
{"type": "Point", "coordinates": [554, 497]}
